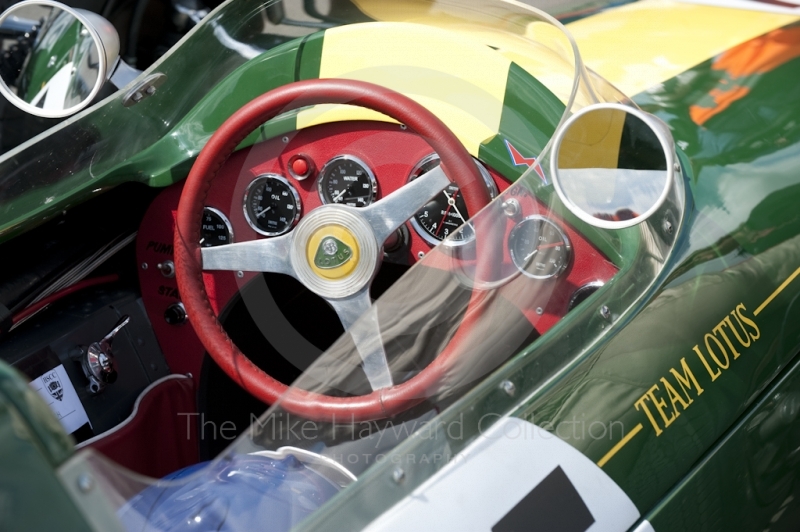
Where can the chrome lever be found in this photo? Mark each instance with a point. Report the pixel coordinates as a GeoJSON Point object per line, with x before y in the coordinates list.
{"type": "Point", "coordinates": [98, 360]}
{"type": "Point", "coordinates": [108, 339]}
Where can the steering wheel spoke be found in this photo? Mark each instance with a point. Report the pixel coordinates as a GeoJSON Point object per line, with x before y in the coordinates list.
{"type": "Point", "coordinates": [360, 318]}
{"type": "Point", "coordinates": [393, 211]}
{"type": "Point", "coordinates": [265, 255]}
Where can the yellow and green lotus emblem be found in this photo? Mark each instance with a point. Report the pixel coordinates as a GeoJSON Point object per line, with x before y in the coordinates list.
{"type": "Point", "coordinates": [332, 253]}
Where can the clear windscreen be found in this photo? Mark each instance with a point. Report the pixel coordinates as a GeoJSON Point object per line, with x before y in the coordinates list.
{"type": "Point", "coordinates": [502, 307]}
{"type": "Point", "coordinates": [110, 143]}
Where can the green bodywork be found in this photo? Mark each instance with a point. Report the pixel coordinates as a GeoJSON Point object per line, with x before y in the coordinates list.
{"type": "Point", "coordinates": [748, 477]}
{"type": "Point", "coordinates": [32, 446]}
{"type": "Point", "coordinates": [718, 448]}
{"type": "Point", "coordinates": [741, 468]}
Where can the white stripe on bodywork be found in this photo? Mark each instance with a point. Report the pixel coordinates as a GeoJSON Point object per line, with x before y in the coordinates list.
{"type": "Point", "coordinates": [487, 480]}
{"type": "Point", "coordinates": [644, 526]}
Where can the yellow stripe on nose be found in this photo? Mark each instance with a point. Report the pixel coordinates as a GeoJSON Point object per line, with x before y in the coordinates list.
{"type": "Point", "coordinates": [457, 78]}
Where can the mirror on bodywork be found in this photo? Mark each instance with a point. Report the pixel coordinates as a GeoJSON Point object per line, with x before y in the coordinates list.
{"type": "Point", "coordinates": [61, 61]}
{"type": "Point", "coordinates": [612, 165]}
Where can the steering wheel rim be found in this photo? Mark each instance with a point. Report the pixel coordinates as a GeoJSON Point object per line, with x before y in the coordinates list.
{"type": "Point", "coordinates": [455, 161]}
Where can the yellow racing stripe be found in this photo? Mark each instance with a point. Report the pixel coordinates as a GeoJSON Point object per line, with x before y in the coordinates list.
{"type": "Point", "coordinates": [455, 77]}
{"type": "Point", "coordinates": [512, 29]}
{"type": "Point", "coordinates": [640, 45]}
{"type": "Point", "coordinates": [635, 46]}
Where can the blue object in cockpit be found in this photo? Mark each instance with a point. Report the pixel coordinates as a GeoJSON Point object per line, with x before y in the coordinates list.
{"type": "Point", "coordinates": [243, 493]}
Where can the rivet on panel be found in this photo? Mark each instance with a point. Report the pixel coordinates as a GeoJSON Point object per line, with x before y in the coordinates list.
{"type": "Point", "coordinates": [398, 475]}
{"type": "Point", "coordinates": [85, 483]}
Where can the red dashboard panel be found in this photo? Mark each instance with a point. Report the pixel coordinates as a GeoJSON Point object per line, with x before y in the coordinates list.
{"type": "Point", "coordinates": [181, 347]}
{"type": "Point", "coordinates": [388, 150]}
{"type": "Point", "coordinates": [391, 152]}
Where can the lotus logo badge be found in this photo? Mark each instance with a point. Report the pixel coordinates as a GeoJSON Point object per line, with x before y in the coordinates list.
{"type": "Point", "coordinates": [332, 253]}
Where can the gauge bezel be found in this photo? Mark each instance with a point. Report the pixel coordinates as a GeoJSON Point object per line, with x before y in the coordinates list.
{"type": "Point", "coordinates": [427, 237]}
{"type": "Point", "coordinates": [352, 158]}
{"type": "Point", "coordinates": [567, 246]}
{"type": "Point", "coordinates": [593, 285]}
{"type": "Point", "coordinates": [225, 220]}
{"type": "Point", "coordinates": [298, 204]}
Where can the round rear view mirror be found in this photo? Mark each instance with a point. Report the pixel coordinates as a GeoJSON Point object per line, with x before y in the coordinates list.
{"type": "Point", "coordinates": [67, 55]}
{"type": "Point", "coordinates": [612, 165]}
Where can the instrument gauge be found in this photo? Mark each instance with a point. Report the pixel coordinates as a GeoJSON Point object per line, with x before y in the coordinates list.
{"type": "Point", "coordinates": [271, 205]}
{"type": "Point", "coordinates": [447, 211]}
{"type": "Point", "coordinates": [347, 180]}
{"type": "Point", "coordinates": [216, 229]}
{"type": "Point", "coordinates": [539, 248]}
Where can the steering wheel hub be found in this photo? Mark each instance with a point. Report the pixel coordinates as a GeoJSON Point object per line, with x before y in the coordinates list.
{"type": "Point", "coordinates": [334, 253]}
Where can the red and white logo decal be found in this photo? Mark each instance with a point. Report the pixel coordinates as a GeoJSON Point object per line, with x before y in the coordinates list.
{"type": "Point", "coordinates": [520, 160]}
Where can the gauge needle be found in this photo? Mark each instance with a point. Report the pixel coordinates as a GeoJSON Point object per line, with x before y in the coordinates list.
{"type": "Point", "coordinates": [262, 213]}
{"type": "Point", "coordinates": [551, 245]}
{"type": "Point", "coordinates": [544, 246]}
{"type": "Point", "coordinates": [338, 195]}
{"type": "Point", "coordinates": [452, 201]}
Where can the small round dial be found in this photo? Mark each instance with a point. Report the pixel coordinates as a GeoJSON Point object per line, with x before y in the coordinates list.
{"type": "Point", "coordinates": [215, 230]}
{"type": "Point", "coordinates": [539, 248]}
{"type": "Point", "coordinates": [271, 205]}
{"type": "Point", "coordinates": [446, 212]}
{"type": "Point", "coordinates": [347, 180]}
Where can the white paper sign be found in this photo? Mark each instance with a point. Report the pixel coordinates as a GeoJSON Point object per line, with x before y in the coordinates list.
{"type": "Point", "coordinates": [56, 389]}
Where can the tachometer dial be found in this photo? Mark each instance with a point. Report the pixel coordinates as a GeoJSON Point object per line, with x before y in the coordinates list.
{"type": "Point", "coordinates": [216, 230]}
{"type": "Point", "coordinates": [446, 212]}
{"type": "Point", "coordinates": [539, 248]}
{"type": "Point", "coordinates": [271, 205]}
{"type": "Point", "coordinates": [348, 180]}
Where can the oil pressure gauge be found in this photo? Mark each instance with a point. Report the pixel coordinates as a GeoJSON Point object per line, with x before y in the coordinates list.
{"type": "Point", "coordinates": [539, 248]}
{"type": "Point", "coordinates": [271, 205]}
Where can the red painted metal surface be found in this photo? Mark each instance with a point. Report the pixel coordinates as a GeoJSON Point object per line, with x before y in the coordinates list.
{"type": "Point", "coordinates": [160, 436]}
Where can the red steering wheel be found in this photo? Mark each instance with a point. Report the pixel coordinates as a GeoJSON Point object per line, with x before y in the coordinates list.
{"type": "Point", "coordinates": [363, 230]}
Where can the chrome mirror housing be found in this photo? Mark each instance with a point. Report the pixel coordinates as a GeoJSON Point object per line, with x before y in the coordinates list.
{"type": "Point", "coordinates": [73, 53]}
{"type": "Point", "coordinates": [613, 165]}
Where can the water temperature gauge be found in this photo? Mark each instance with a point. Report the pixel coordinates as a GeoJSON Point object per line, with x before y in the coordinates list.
{"type": "Point", "coordinates": [347, 180]}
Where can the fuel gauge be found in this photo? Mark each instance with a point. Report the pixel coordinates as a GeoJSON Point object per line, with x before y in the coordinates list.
{"type": "Point", "coordinates": [539, 248]}
{"type": "Point", "coordinates": [216, 230]}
